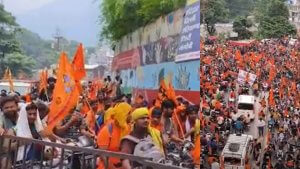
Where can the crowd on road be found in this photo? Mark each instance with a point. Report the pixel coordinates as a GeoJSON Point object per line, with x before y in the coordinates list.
{"type": "Point", "coordinates": [106, 119]}
{"type": "Point", "coordinates": [276, 66]}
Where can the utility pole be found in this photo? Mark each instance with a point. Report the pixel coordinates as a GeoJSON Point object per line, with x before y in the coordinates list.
{"type": "Point", "coordinates": [58, 37]}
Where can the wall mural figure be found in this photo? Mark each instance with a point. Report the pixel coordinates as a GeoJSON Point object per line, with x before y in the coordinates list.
{"type": "Point", "coordinates": [182, 78]}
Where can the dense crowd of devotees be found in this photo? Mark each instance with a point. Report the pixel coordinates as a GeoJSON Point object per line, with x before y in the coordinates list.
{"type": "Point", "coordinates": [276, 64]}
{"type": "Point", "coordinates": [108, 119]}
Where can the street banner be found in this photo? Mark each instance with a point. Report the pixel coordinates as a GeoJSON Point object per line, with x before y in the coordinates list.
{"type": "Point", "coordinates": [246, 77]}
{"type": "Point", "coordinates": [189, 42]}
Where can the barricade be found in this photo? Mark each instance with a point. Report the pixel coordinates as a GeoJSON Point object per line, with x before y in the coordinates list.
{"type": "Point", "coordinates": [69, 157]}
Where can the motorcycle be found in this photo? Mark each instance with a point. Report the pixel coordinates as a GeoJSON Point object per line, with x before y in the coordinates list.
{"type": "Point", "coordinates": [179, 156]}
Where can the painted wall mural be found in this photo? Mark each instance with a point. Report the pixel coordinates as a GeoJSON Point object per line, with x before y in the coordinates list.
{"type": "Point", "coordinates": [164, 50]}
{"type": "Point", "coordinates": [184, 76]}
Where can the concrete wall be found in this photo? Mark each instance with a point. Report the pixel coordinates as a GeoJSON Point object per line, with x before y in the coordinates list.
{"type": "Point", "coordinates": [165, 26]}
{"type": "Point", "coordinates": [148, 55]}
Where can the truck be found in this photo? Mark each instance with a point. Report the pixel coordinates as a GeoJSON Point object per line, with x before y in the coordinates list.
{"type": "Point", "coordinates": [236, 151]}
{"type": "Point", "coordinates": [245, 106]}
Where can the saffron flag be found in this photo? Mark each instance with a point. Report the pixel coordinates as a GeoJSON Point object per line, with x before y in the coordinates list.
{"type": "Point", "coordinates": [78, 64]}
{"type": "Point", "coordinates": [171, 94]}
{"type": "Point", "coordinates": [91, 120]}
{"type": "Point", "coordinates": [272, 74]}
{"type": "Point", "coordinates": [43, 80]}
{"type": "Point", "coordinates": [238, 55]}
{"type": "Point", "coordinates": [271, 98]}
{"type": "Point", "coordinates": [8, 76]}
{"type": "Point", "coordinates": [65, 94]}
{"type": "Point", "coordinates": [85, 108]}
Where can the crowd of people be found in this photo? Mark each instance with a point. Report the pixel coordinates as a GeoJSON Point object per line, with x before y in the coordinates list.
{"type": "Point", "coordinates": [276, 64]}
{"type": "Point", "coordinates": [103, 118]}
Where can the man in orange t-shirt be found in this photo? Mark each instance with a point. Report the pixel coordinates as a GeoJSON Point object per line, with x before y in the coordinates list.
{"type": "Point", "coordinates": [110, 135]}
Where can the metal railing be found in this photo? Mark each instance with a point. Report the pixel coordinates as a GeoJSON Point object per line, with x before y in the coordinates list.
{"type": "Point", "coordinates": [70, 157]}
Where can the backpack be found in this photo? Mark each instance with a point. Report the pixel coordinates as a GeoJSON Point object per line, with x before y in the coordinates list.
{"type": "Point", "coordinates": [145, 148]}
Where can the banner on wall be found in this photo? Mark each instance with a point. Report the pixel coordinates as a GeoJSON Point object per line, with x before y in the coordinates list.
{"type": "Point", "coordinates": [126, 60]}
{"type": "Point", "coordinates": [189, 42]}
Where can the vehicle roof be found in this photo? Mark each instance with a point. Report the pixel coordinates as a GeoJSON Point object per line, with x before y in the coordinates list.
{"type": "Point", "coordinates": [242, 140]}
{"type": "Point", "coordinates": [246, 99]}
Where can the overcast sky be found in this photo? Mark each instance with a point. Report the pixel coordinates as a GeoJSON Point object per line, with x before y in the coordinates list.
{"type": "Point", "coordinates": [77, 19]}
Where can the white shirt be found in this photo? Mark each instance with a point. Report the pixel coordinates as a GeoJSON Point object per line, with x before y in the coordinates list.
{"type": "Point", "coordinates": [261, 123]}
{"type": "Point", "coordinates": [234, 117]}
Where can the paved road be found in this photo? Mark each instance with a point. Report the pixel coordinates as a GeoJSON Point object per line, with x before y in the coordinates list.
{"type": "Point", "coordinates": [253, 127]}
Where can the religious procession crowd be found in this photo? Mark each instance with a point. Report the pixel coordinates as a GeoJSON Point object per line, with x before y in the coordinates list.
{"type": "Point", "coordinates": [96, 115]}
{"type": "Point", "coordinates": [275, 64]}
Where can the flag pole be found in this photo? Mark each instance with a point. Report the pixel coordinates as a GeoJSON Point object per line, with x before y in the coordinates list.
{"type": "Point", "coordinates": [85, 99]}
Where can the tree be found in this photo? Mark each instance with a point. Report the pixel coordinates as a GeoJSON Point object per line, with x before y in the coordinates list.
{"type": "Point", "coordinates": [274, 19]}
{"type": "Point", "coordinates": [42, 50]}
{"type": "Point", "coordinates": [120, 17]}
{"type": "Point", "coordinates": [213, 12]}
{"type": "Point", "coordinates": [239, 7]}
{"type": "Point", "coordinates": [19, 64]}
{"type": "Point", "coordinates": [8, 42]}
{"type": "Point", "coordinates": [37, 48]}
{"type": "Point", "coordinates": [241, 26]}
{"type": "Point", "coordinates": [275, 27]}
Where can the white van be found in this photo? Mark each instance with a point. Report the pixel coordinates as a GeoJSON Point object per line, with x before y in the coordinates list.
{"type": "Point", "coordinates": [245, 106]}
{"type": "Point", "coordinates": [236, 150]}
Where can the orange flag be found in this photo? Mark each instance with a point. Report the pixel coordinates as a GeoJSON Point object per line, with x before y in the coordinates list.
{"type": "Point", "coordinates": [27, 98]}
{"type": "Point", "coordinates": [171, 94]}
{"type": "Point", "coordinates": [286, 113]}
{"type": "Point", "coordinates": [294, 88]}
{"type": "Point", "coordinates": [197, 151]}
{"type": "Point", "coordinates": [43, 80]}
{"type": "Point", "coordinates": [65, 94]}
{"type": "Point", "coordinates": [272, 61]}
{"type": "Point", "coordinates": [257, 58]}
{"type": "Point", "coordinates": [272, 73]}
{"type": "Point", "coordinates": [281, 92]}
{"type": "Point", "coordinates": [271, 98]}
{"type": "Point", "coordinates": [91, 120]}
{"type": "Point", "coordinates": [163, 85]}
{"type": "Point", "coordinates": [238, 55]}
{"type": "Point", "coordinates": [78, 64]}
{"type": "Point", "coordinates": [85, 108]}
{"type": "Point", "coordinates": [93, 91]}
{"type": "Point", "coordinates": [8, 76]}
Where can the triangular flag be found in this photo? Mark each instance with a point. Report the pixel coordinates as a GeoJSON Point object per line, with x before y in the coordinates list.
{"type": "Point", "coordinates": [8, 76]}
{"type": "Point", "coordinates": [271, 98]}
{"type": "Point", "coordinates": [43, 80]}
{"type": "Point", "coordinates": [78, 64]}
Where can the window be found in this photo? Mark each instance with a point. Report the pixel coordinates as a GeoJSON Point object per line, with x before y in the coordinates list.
{"type": "Point", "coordinates": [245, 106]}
